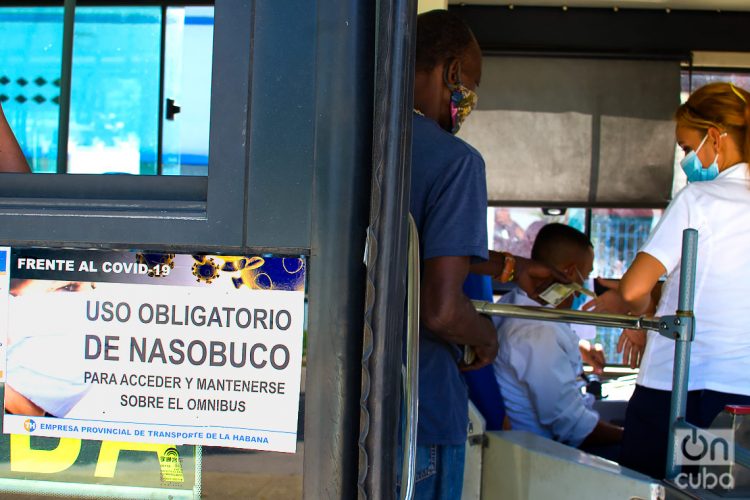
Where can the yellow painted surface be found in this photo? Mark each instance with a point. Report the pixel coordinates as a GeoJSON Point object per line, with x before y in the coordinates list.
{"type": "Point", "coordinates": [25, 459]}
{"type": "Point", "coordinates": [425, 5]}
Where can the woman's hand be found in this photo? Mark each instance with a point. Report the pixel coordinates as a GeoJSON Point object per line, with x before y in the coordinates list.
{"type": "Point", "coordinates": [609, 301]}
{"type": "Point", "coordinates": [631, 344]}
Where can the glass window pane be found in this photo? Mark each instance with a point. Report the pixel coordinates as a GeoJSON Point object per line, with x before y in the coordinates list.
{"type": "Point", "coordinates": [617, 234]}
{"type": "Point", "coordinates": [514, 229]}
{"type": "Point", "coordinates": [236, 473]}
{"type": "Point", "coordinates": [30, 58]}
{"type": "Point", "coordinates": [187, 84]}
{"type": "Point", "coordinates": [115, 90]}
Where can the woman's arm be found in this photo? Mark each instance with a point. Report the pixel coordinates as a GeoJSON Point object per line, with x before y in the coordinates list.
{"type": "Point", "coordinates": [637, 284]}
{"type": "Point", "coordinates": [636, 293]}
{"type": "Point", "coordinates": [11, 156]}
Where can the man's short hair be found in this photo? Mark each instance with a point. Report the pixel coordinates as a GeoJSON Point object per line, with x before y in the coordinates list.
{"type": "Point", "coordinates": [441, 36]}
{"type": "Point", "coordinates": [557, 244]}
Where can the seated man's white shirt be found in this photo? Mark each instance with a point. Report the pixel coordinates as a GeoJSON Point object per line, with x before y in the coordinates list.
{"type": "Point", "coordinates": [538, 367]}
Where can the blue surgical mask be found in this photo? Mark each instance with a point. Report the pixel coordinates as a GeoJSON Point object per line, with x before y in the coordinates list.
{"type": "Point", "coordinates": [694, 169]}
{"type": "Point", "coordinates": [578, 301]}
{"type": "Point", "coordinates": [580, 298]}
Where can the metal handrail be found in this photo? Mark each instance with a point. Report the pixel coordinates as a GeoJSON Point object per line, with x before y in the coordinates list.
{"type": "Point", "coordinates": [570, 316]}
{"type": "Point", "coordinates": [411, 378]}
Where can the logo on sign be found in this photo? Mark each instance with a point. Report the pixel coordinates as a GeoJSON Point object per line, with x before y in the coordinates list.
{"type": "Point", "coordinates": [705, 446]}
{"type": "Point", "coordinates": [29, 425]}
{"type": "Point", "coordinates": [702, 448]}
{"type": "Point", "coordinates": [3, 260]}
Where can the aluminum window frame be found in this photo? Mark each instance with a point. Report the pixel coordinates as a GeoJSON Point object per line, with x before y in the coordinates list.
{"type": "Point", "coordinates": [183, 213]}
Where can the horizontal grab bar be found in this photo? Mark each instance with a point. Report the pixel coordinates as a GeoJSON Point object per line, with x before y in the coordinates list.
{"type": "Point", "coordinates": [569, 316]}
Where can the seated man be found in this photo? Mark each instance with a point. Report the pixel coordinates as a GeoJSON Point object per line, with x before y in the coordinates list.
{"type": "Point", "coordinates": [539, 364]}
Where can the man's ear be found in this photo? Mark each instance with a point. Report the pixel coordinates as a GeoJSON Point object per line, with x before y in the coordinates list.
{"type": "Point", "coordinates": [453, 70]}
{"type": "Point", "coordinates": [570, 271]}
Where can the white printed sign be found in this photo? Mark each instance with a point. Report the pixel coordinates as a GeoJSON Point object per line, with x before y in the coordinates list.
{"type": "Point", "coordinates": [199, 350]}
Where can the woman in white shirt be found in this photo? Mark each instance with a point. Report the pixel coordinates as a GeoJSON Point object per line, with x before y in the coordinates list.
{"type": "Point", "coordinates": [712, 129]}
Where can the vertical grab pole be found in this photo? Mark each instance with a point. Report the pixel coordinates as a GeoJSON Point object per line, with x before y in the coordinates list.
{"type": "Point", "coordinates": [682, 346]}
{"type": "Point", "coordinates": [411, 381]}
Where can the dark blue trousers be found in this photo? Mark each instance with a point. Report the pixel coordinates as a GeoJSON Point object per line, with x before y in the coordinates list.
{"type": "Point", "coordinates": [644, 443]}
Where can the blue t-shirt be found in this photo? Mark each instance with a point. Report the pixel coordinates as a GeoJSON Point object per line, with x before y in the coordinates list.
{"type": "Point", "coordinates": [484, 390]}
{"type": "Point", "coordinates": [449, 205]}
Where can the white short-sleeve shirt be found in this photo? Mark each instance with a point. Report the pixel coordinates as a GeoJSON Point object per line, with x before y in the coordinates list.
{"type": "Point", "coordinates": [720, 357]}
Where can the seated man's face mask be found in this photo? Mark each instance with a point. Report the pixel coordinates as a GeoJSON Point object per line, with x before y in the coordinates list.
{"type": "Point", "coordinates": [462, 101]}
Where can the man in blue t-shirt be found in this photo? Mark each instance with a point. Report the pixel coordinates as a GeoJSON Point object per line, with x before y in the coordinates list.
{"type": "Point", "coordinates": [449, 205]}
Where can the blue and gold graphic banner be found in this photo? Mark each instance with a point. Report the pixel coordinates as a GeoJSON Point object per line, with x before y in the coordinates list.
{"type": "Point", "coordinates": [253, 272]}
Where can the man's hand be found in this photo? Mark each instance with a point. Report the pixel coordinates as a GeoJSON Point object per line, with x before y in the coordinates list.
{"type": "Point", "coordinates": [534, 277]}
{"type": "Point", "coordinates": [593, 355]}
{"type": "Point", "coordinates": [448, 313]}
{"type": "Point", "coordinates": [631, 344]}
{"type": "Point", "coordinates": [609, 301]}
{"type": "Point", "coordinates": [485, 355]}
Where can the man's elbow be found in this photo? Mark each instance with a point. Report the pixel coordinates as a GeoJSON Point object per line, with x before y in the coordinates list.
{"type": "Point", "coordinates": [441, 318]}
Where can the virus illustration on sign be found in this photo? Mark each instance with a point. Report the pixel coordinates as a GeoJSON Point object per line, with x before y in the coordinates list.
{"type": "Point", "coordinates": [156, 263]}
{"type": "Point", "coordinates": [205, 268]}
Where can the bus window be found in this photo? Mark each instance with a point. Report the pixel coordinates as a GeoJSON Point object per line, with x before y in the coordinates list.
{"type": "Point", "coordinates": [30, 59]}
{"type": "Point", "coordinates": [135, 108]}
{"type": "Point", "coordinates": [513, 229]}
{"type": "Point", "coordinates": [617, 234]}
{"type": "Point", "coordinates": [187, 84]}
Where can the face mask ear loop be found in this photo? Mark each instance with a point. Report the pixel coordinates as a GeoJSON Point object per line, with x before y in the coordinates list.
{"type": "Point", "coordinates": [702, 143]}
{"type": "Point", "coordinates": [716, 159]}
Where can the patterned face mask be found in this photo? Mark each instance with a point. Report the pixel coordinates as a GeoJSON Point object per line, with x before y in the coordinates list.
{"type": "Point", "coordinates": [462, 102]}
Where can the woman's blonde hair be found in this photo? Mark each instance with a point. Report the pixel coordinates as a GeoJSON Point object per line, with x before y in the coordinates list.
{"type": "Point", "coordinates": [721, 105]}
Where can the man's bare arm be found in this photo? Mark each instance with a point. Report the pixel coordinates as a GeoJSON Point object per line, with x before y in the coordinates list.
{"type": "Point", "coordinates": [11, 156]}
{"type": "Point", "coordinates": [447, 311]}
